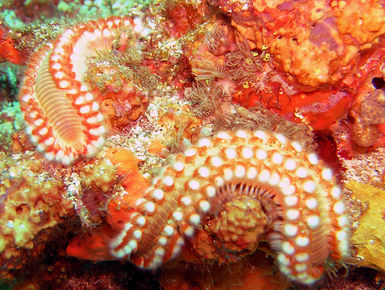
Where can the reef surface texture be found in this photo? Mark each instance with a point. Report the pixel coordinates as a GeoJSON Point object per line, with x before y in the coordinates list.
{"type": "Point", "coordinates": [222, 144]}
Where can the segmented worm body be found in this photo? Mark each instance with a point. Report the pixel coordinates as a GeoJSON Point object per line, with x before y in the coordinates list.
{"type": "Point", "coordinates": [298, 194]}
{"type": "Point", "coordinates": [61, 112]}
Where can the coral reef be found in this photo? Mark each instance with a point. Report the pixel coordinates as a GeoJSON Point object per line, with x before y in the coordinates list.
{"type": "Point", "coordinates": [255, 273]}
{"type": "Point", "coordinates": [71, 274]}
{"type": "Point", "coordinates": [364, 180]}
{"type": "Point", "coordinates": [11, 121]}
{"type": "Point", "coordinates": [368, 237]}
{"type": "Point", "coordinates": [8, 50]}
{"type": "Point", "coordinates": [151, 78]}
{"type": "Point", "coordinates": [31, 203]}
{"type": "Point", "coordinates": [251, 77]}
{"type": "Point", "coordinates": [269, 169]}
{"type": "Point", "coordinates": [68, 124]}
{"type": "Point", "coordinates": [307, 33]}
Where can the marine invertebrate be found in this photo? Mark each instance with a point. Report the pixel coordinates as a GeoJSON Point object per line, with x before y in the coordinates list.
{"type": "Point", "coordinates": [371, 112]}
{"type": "Point", "coordinates": [363, 124]}
{"type": "Point", "coordinates": [252, 79]}
{"type": "Point", "coordinates": [369, 236]}
{"type": "Point", "coordinates": [220, 40]}
{"type": "Point", "coordinates": [245, 65]}
{"type": "Point", "coordinates": [62, 115]}
{"type": "Point", "coordinates": [182, 16]}
{"type": "Point", "coordinates": [239, 226]}
{"type": "Point", "coordinates": [8, 50]}
{"type": "Point", "coordinates": [366, 167]}
{"type": "Point", "coordinates": [305, 222]}
{"type": "Point", "coordinates": [310, 41]}
{"type": "Point", "coordinates": [206, 97]}
{"type": "Point", "coordinates": [31, 208]}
